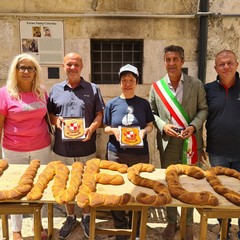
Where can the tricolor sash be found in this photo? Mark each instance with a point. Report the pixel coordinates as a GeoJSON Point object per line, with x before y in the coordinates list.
{"type": "Point", "coordinates": [178, 113]}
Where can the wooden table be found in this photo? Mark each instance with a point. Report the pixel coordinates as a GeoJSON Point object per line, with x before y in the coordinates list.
{"type": "Point", "coordinates": [224, 210]}
{"type": "Point", "coordinates": [131, 232]}
{"type": "Point", "coordinates": [9, 180]}
{"type": "Point", "coordinates": [190, 184]}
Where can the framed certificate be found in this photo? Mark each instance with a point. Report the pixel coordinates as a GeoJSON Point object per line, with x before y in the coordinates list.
{"type": "Point", "coordinates": [130, 137]}
{"type": "Point", "coordinates": [73, 129]}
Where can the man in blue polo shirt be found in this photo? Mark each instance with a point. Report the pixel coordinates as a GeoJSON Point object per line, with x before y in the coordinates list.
{"type": "Point", "coordinates": [72, 99]}
{"type": "Point", "coordinates": [223, 98]}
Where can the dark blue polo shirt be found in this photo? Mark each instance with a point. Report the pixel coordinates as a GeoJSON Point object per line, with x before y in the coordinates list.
{"type": "Point", "coordinates": [82, 101]}
{"type": "Point", "coordinates": [223, 134]}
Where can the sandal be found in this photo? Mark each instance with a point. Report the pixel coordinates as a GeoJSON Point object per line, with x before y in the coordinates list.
{"type": "Point", "coordinates": [17, 236]}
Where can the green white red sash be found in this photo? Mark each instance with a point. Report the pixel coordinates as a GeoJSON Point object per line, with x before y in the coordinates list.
{"type": "Point", "coordinates": [178, 113]}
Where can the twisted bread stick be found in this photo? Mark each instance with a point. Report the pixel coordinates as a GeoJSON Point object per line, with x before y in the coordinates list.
{"type": "Point", "coordinates": [108, 199]}
{"type": "Point", "coordinates": [178, 192]}
{"type": "Point", "coordinates": [87, 195]}
{"type": "Point", "coordinates": [68, 194]}
{"type": "Point", "coordinates": [105, 178]}
{"type": "Point", "coordinates": [3, 166]}
{"type": "Point", "coordinates": [24, 184]}
{"type": "Point", "coordinates": [43, 179]}
{"type": "Point", "coordinates": [60, 179]}
{"type": "Point", "coordinates": [105, 164]}
{"type": "Point", "coordinates": [88, 183]}
{"type": "Point", "coordinates": [211, 176]}
{"type": "Point", "coordinates": [163, 195]}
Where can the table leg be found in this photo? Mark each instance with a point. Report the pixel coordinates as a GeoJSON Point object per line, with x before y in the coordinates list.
{"type": "Point", "coordinates": [92, 224]}
{"type": "Point", "coordinates": [143, 224]}
{"type": "Point", "coordinates": [224, 228]}
{"type": "Point", "coordinates": [183, 221]}
{"type": "Point", "coordinates": [5, 226]}
{"type": "Point", "coordinates": [134, 224]}
{"type": "Point", "coordinates": [50, 220]}
{"type": "Point", "coordinates": [203, 226]}
{"type": "Point", "coordinates": [37, 223]}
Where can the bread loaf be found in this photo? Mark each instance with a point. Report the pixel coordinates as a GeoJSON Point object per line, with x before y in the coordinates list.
{"type": "Point", "coordinates": [114, 166]}
{"type": "Point", "coordinates": [178, 192]}
{"type": "Point", "coordinates": [88, 184]}
{"type": "Point", "coordinates": [163, 195]}
{"type": "Point", "coordinates": [68, 194]}
{"type": "Point", "coordinates": [60, 179]}
{"type": "Point", "coordinates": [154, 200]}
{"type": "Point", "coordinates": [211, 176]}
{"type": "Point", "coordinates": [43, 179]}
{"type": "Point", "coordinates": [109, 200]}
{"type": "Point", "coordinates": [3, 166]}
{"type": "Point", "coordinates": [105, 178]}
{"type": "Point", "coordinates": [25, 183]}
{"type": "Point", "coordinates": [87, 195]}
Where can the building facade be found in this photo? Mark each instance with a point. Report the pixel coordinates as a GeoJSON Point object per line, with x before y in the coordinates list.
{"type": "Point", "coordinates": [142, 29]}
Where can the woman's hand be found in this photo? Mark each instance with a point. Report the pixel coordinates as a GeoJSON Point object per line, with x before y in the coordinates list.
{"type": "Point", "coordinates": [110, 131]}
{"type": "Point", "coordinates": [59, 122]}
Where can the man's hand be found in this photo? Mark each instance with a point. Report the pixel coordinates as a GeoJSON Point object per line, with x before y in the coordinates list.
{"type": "Point", "coordinates": [88, 134]}
{"type": "Point", "coordinates": [188, 132]}
{"type": "Point", "coordinates": [169, 130]}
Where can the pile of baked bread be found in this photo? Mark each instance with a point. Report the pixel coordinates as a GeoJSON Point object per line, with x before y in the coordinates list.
{"type": "Point", "coordinates": [80, 183]}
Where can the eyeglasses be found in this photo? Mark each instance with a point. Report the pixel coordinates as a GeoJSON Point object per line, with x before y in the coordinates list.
{"type": "Point", "coordinates": [30, 69]}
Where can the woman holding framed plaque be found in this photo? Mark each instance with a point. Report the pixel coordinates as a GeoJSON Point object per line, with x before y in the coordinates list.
{"type": "Point", "coordinates": [127, 119]}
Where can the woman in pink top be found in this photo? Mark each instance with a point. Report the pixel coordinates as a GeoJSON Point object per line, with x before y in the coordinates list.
{"type": "Point", "coordinates": [22, 120]}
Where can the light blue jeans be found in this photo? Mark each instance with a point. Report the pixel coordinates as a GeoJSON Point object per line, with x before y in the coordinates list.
{"type": "Point", "coordinates": [230, 162]}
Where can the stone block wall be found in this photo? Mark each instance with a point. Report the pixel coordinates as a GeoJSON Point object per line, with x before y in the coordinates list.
{"type": "Point", "coordinates": [159, 23]}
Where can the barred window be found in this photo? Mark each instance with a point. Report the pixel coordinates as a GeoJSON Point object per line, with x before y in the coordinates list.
{"type": "Point", "coordinates": [108, 56]}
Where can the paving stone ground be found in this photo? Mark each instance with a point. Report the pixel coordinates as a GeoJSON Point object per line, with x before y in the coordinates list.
{"type": "Point", "coordinates": [156, 224]}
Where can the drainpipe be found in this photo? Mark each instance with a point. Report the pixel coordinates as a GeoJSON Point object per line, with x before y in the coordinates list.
{"type": "Point", "coordinates": [202, 42]}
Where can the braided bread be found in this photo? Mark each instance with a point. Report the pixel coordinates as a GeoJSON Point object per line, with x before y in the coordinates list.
{"type": "Point", "coordinates": [68, 194]}
{"type": "Point", "coordinates": [211, 176]}
{"type": "Point", "coordinates": [43, 179]}
{"type": "Point", "coordinates": [3, 166]}
{"type": "Point", "coordinates": [25, 183]}
{"type": "Point", "coordinates": [163, 195]}
{"type": "Point", "coordinates": [105, 164]}
{"type": "Point", "coordinates": [109, 200]}
{"type": "Point", "coordinates": [178, 192]}
{"type": "Point", "coordinates": [88, 183]}
{"type": "Point", "coordinates": [87, 195]}
{"type": "Point", "coordinates": [60, 179]}
{"type": "Point", "coordinates": [105, 178]}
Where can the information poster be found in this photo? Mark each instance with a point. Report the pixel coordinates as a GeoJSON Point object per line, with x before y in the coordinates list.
{"type": "Point", "coordinates": [43, 39]}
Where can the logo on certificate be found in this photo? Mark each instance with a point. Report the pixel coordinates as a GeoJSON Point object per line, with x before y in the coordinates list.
{"type": "Point", "coordinates": [73, 128]}
{"type": "Point", "coordinates": [130, 136]}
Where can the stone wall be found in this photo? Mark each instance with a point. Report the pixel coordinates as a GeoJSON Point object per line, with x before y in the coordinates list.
{"type": "Point", "coordinates": [223, 31]}
{"type": "Point", "coordinates": [158, 23]}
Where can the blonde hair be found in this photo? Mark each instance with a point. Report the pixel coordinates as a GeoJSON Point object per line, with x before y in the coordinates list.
{"type": "Point", "coordinates": [37, 86]}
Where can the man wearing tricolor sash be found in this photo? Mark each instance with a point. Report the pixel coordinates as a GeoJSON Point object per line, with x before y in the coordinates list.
{"type": "Point", "coordinates": [178, 102]}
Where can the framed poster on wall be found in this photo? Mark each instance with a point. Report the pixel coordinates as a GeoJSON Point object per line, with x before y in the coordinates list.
{"type": "Point", "coordinates": [43, 39]}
